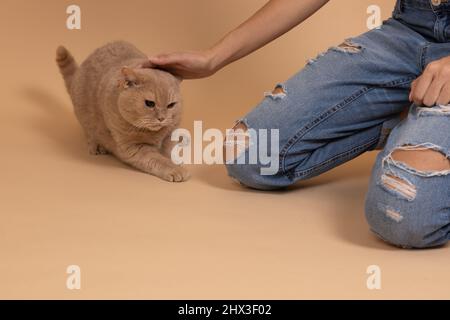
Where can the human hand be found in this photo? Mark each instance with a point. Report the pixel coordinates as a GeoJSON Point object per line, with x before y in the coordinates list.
{"type": "Point", "coordinates": [187, 65]}
{"type": "Point", "coordinates": [433, 86]}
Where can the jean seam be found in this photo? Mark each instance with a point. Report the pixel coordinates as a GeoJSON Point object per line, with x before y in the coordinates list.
{"type": "Point", "coordinates": [341, 155]}
{"type": "Point", "coordinates": [316, 121]}
{"type": "Point", "coordinates": [399, 5]}
{"type": "Point", "coordinates": [328, 113]}
{"type": "Point", "coordinates": [396, 83]}
{"type": "Point", "coordinates": [423, 56]}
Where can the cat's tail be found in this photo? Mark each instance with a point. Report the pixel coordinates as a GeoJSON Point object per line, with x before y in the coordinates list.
{"type": "Point", "coordinates": [67, 65]}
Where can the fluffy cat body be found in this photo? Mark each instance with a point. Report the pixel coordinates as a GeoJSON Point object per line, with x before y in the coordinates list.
{"type": "Point", "coordinates": [125, 109]}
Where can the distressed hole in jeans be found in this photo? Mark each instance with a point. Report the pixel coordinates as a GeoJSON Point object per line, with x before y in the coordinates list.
{"type": "Point", "coordinates": [394, 214]}
{"type": "Point", "coordinates": [236, 142]}
{"type": "Point", "coordinates": [439, 110]}
{"type": "Point", "coordinates": [313, 60]}
{"type": "Point", "coordinates": [399, 186]}
{"type": "Point", "coordinates": [279, 92]}
{"type": "Point", "coordinates": [423, 158]}
{"type": "Point", "coordinates": [348, 46]}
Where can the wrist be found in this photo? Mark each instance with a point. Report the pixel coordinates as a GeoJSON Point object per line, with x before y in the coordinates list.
{"type": "Point", "coordinates": [216, 57]}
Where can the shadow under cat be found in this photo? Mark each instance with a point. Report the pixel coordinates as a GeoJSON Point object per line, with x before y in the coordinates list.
{"type": "Point", "coordinates": [57, 124]}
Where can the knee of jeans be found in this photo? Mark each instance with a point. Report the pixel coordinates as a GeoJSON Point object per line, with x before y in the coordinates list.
{"type": "Point", "coordinates": [248, 175]}
{"type": "Point", "coordinates": [251, 157]}
{"type": "Point", "coordinates": [398, 205]}
{"type": "Point", "coordinates": [390, 225]}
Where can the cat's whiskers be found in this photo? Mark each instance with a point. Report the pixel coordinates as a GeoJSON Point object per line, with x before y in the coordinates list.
{"type": "Point", "coordinates": [143, 125]}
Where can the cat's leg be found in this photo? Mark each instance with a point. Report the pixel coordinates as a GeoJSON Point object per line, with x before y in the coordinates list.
{"type": "Point", "coordinates": [150, 160]}
{"type": "Point", "coordinates": [167, 146]}
{"type": "Point", "coordinates": [102, 150]}
{"type": "Point", "coordinates": [85, 116]}
{"type": "Point", "coordinates": [94, 147]}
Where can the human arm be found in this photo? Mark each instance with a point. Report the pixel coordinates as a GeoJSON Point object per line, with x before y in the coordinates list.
{"type": "Point", "coordinates": [274, 19]}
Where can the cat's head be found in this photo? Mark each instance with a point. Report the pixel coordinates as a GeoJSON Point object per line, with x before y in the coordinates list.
{"type": "Point", "coordinates": [149, 98]}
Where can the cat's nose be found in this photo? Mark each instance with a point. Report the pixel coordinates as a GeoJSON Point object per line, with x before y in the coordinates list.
{"type": "Point", "coordinates": [161, 118]}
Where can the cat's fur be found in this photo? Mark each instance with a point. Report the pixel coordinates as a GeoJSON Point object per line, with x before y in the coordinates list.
{"type": "Point", "coordinates": [109, 92]}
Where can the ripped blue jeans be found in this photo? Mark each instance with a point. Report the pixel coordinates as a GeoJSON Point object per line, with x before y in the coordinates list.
{"type": "Point", "coordinates": [349, 100]}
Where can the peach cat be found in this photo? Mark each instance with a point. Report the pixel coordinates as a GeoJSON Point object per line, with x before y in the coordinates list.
{"type": "Point", "coordinates": [125, 109]}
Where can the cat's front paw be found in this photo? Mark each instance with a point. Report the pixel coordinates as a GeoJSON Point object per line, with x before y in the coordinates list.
{"type": "Point", "coordinates": [97, 149]}
{"type": "Point", "coordinates": [176, 174]}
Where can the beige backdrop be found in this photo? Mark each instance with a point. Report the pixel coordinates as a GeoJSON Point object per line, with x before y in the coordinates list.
{"type": "Point", "coordinates": [137, 237]}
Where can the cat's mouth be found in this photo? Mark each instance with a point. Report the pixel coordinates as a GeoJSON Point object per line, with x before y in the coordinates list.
{"type": "Point", "coordinates": [149, 127]}
{"type": "Point", "coordinates": [145, 124]}
{"type": "Point", "coordinates": [156, 127]}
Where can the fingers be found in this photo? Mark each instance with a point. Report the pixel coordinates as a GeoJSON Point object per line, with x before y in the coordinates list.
{"type": "Point", "coordinates": [156, 61]}
{"type": "Point", "coordinates": [433, 86]}
{"type": "Point", "coordinates": [164, 59]}
{"type": "Point", "coordinates": [168, 62]}
{"type": "Point", "coordinates": [420, 87]}
{"type": "Point", "coordinates": [444, 97]}
{"type": "Point", "coordinates": [148, 64]}
{"type": "Point", "coordinates": [184, 64]}
{"type": "Point", "coordinates": [412, 92]}
{"type": "Point", "coordinates": [432, 94]}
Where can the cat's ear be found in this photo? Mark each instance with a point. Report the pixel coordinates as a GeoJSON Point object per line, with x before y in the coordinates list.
{"type": "Point", "coordinates": [129, 78]}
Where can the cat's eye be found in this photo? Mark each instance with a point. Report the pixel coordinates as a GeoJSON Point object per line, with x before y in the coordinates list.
{"type": "Point", "coordinates": [150, 104]}
{"type": "Point", "coordinates": [129, 83]}
{"type": "Point", "coordinates": [170, 106]}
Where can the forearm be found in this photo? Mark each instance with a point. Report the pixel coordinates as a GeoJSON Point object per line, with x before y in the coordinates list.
{"type": "Point", "coordinates": [274, 19]}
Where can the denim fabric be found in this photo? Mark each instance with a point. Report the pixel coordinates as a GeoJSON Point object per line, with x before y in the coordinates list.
{"type": "Point", "coordinates": [347, 101]}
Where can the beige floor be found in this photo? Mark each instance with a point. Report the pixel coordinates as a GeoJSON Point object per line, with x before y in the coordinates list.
{"type": "Point", "coordinates": [137, 237]}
